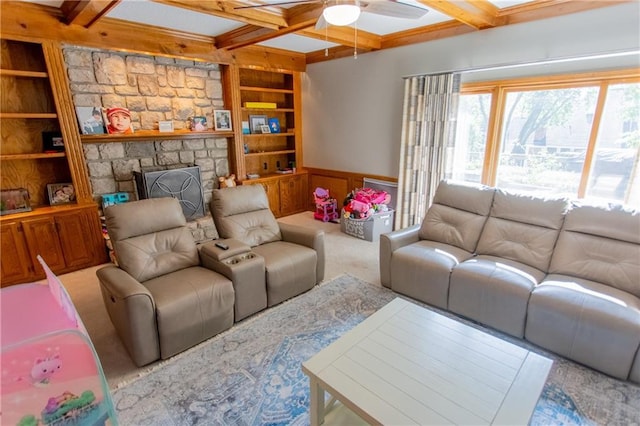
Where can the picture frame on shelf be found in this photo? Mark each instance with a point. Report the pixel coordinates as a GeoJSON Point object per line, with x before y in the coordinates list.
{"type": "Point", "coordinates": [61, 193]}
{"type": "Point", "coordinates": [118, 121]}
{"type": "Point", "coordinates": [14, 200]}
{"type": "Point", "coordinates": [165, 126]}
{"type": "Point", "coordinates": [198, 123]}
{"type": "Point", "coordinates": [91, 120]}
{"type": "Point", "coordinates": [274, 125]}
{"type": "Point", "coordinates": [265, 129]}
{"type": "Point", "coordinates": [52, 142]}
{"type": "Point", "coordinates": [222, 119]}
{"type": "Point", "coordinates": [245, 128]}
{"type": "Point", "coordinates": [256, 121]}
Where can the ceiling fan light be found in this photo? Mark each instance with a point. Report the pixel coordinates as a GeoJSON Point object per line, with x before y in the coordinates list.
{"type": "Point", "coordinates": [341, 14]}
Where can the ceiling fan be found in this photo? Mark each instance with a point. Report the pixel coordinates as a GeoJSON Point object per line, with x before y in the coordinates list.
{"type": "Point", "coordinates": [346, 12]}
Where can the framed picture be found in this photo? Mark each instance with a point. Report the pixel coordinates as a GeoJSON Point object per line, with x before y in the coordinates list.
{"type": "Point", "coordinates": [256, 121]}
{"type": "Point", "coordinates": [118, 121]}
{"type": "Point", "coordinates": [52, 142]}
{"type": "Point", "coordinates": [14, 200]}
{"type": "Point", "coordinates": [61, 193]}
{"type": "Point", "coordinates": [91, 120]}
{"type": "Point", "coordinates": [265, 128]}
{"type": "Point", "coordinates": [222, 119]}
{"type": "Point", "coordinates": [274, 125]}
{"type": "Point", "coordinates": [199, 123]}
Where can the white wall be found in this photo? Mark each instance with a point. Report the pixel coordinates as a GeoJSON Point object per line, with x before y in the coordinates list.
{"type": "Point", "coordinates": [352, 108]}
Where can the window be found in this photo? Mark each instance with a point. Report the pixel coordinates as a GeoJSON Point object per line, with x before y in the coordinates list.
{"type": "Point", "coordinates": [572, 135]}
{"type": "Point", "coordinates": [471, 137]}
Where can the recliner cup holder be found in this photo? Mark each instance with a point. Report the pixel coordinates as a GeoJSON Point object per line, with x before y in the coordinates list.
{"type": "Point", "coordinates": [237, 259]}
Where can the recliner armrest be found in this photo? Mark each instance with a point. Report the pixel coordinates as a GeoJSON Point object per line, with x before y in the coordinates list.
{"type": "Point", "coordinates": [391, 242]}
{"type": "Point", "coordinates": [133, 313]}
{"type": "Point", "coordinates": [312, 238]}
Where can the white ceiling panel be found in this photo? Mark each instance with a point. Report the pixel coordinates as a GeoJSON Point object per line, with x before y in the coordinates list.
{"type": "Point", "coordinates": [297, 43]}
{"type": "Point", "coordinates": [175, 18]}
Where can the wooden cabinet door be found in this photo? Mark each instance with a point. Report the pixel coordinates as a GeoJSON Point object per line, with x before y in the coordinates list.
{"type": "Point", "coordinates": [293, 195]}
{"type": "Point", "coordinates": [42, 239]}
{"type": "Point", "coordinates": [77, 238]}
{"type": "Point", "coordinates": [16, 265]}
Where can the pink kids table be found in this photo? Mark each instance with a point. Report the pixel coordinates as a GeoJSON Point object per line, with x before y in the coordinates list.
{"type": "Point", "coordinates": [51, 374]}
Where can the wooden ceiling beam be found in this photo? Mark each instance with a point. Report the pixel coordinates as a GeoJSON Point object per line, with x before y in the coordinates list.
{"type": "Point", "coordinates": [34, 22]}
{"type": "Point", "coordinates": [478, 14]}
{"type": "Point", "coordinates": [268, 17]}
{"type": "Point", "coordinates": [345, 36]}
{"type": "Point", "coordinates": [298, 18]}
{"type": "Point", "coordinates": [84, 12]}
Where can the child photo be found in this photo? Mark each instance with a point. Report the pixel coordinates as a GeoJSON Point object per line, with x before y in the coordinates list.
{"type": "Point", "coordinates": [118, 121]}
{"type": "Point", "coordinates": [222, 119]}
{"type": "Point", "coordinates": [61, 193]}
{"type": "Point", "coordinates": [90, 119]}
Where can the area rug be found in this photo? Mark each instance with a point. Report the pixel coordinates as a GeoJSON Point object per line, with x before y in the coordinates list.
{"type": "Point", "coordinates": [250, 374]}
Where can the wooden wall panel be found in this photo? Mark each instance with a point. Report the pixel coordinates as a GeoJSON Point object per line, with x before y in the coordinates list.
{"type": "Point", "coordinates": [339, 183]}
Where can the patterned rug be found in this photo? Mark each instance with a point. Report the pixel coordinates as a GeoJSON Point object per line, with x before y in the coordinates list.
{"type": "Point", "coordinates": [250, 374]}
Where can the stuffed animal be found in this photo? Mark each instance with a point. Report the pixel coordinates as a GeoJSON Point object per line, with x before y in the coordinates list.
{"type": "Point", "coordinates": [227, 182]}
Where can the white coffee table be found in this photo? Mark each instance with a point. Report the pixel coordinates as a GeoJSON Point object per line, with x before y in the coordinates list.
{"type": "Point", "coordinates": [409, 365]}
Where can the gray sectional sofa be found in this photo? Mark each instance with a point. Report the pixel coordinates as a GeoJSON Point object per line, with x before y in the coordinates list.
{"type": "Point", "coordinates": [562, 275]}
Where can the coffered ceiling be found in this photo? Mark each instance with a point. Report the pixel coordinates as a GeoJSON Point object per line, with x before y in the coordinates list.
{"type": "Point", "coordinates": [290, 28]}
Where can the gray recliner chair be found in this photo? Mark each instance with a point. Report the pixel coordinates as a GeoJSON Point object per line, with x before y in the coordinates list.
{"type": "Point", "coordinates": [160, 300]}
{"type": "Point", "coordinates": [293, 255]}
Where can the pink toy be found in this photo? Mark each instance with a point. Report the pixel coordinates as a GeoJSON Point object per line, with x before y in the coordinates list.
{"type": "Point", "coordinates": [364, 202]}
{"type": "Point", "coordinates": [50, 371]}
{"type": "Point", "coordinates": [326, 207]}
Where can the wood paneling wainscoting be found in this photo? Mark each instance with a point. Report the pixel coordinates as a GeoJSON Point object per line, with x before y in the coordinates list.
{"type": "Point", "coordinates": [338, 183]}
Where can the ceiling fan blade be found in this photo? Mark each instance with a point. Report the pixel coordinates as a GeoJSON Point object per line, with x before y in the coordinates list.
{"type": "Point", "coordinates": [321, 23]}
{"type": "Point", "coordinates": [277, 4]}
{"type": "Point", "coordinates": [394, 9]}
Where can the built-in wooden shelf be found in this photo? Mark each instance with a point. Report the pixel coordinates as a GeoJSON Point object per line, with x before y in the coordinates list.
{"type": "Point", "coordinates": [265, 89]}
{"type": "Point", "coordinates": [258, 135]}
{"type": "Point", "coordinates": [44, 210]}
{"type": "Point", "coordinates": [28, 115]}
{"type": "Point", "coordinates": [20, 73]}
{"type": "Point", "coordinates": [38, 156]}
{"type": "Point", "coordinates": [151, 135]}
{"type": "Point", "coordinates": [258, 154]}
{"type": "Point", "coordinates": [268, 109]}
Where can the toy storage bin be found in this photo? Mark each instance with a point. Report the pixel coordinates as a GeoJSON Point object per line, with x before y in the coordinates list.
{"type": "Point", "coordinates": [370, 228]}
{"type": "Point", "coordinates": [51, 374]}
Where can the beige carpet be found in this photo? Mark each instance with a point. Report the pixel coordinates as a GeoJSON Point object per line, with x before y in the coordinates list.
{"type": "Point", "coordinates": [344, 254]}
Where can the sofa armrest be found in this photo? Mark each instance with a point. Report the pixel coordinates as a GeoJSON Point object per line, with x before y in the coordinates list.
{"type": "Point", "coordinates": [308, 237]}
{"type": "Point", "coordinates": [391, 242]}
{"type": "Point", "coordinates": [133, 313]}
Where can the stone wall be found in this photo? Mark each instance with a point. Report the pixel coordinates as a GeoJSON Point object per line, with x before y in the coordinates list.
{"type": "Point", "coordinates": [153, 89]}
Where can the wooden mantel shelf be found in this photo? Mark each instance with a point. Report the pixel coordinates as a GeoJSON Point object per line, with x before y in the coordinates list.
{"type": "Point", "coordinates": [151, 135]}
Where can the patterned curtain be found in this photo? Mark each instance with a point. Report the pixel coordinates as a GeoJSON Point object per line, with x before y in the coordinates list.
{"type": "Point", "coordinates": [428, 133]}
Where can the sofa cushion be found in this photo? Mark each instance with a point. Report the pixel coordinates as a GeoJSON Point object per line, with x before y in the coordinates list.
{"type": "Point", "coordinates": [600, 244]}
{"type": "Point", "coordinates": [191, 305]}
{"type": "Point", "coordinates": [148, 256]}
{"type": "Point", "coordinates": [242, 213]}
{"type": "Point", "coordinates": [421, 270]}
{"type": "Point", "coordinates": [290, 269]}
{"type": "Point", "coordinates": [457, 215]}
{"type": "Point", "coordinates": [493, 291]}
{"type": "Point", "coordinates": [523, 228]}
{"type": "Point", "coordinates": [143, 217]}
{"type": "Point", "coordinates": [589, 322]}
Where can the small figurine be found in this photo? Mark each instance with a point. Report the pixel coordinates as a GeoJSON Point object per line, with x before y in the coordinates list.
{"type": "Point", "coordinates": [44, 368]}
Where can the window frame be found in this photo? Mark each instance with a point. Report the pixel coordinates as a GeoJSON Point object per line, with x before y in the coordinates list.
{"type": "Point", "coordinates": [499, 89]}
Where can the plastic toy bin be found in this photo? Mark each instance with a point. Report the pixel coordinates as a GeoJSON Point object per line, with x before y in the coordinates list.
{"type": "Point", "coordinates": [51, 374]}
